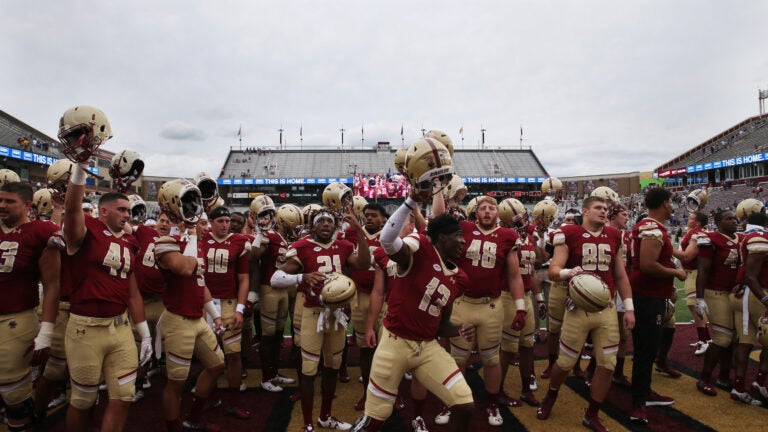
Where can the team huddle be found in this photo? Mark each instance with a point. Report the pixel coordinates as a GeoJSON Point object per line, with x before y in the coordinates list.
{"type": "Point", "coordinates": [421, 292]}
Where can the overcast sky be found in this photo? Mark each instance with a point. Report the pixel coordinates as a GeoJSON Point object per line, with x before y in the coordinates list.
{"type": "Point", "coordinates": [597, 86]}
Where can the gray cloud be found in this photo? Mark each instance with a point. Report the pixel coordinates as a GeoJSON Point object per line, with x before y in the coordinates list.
{"type": "Point", "coordinates": [181, 131]}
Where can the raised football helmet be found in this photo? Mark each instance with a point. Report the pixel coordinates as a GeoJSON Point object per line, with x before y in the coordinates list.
{"type": "Point", "coordinates": [263, 212]}
{"type": "Point", "coordinates": [606, 193]}
{"type": "Point", "coordinates": [216, 204]}
{"type": "Point", "coordinates": [456, 190]}
{"type": "Point", "coordinates": [337, 290]}
{"type": "Point", "coordinates": [82, 129]}
{"type": "Point", "coordinates": [471, 207]}
{"type": "Point", "coordinates": [126, 167]}
{"type": "Point", "coordinates": [544, 213]}
{"type": "Point", "coordinates": [138, 209]}
{"type": "Point", "coordinates": [308, 212]}
{"type": "Point", "coordinates": [747, 207]}
{"type": "Point", "coordinates": [209, 190]}
{"type": "Point", "coordinates": [58, 177]}
{"type": "Point", "coordinates": [428, 159]}
{"type": "Point", "coordinates": [696, 200]}
{"type": "Point", "coordinates": [337, 197]}
{"type": "Point", "coordinates": [180, 200]}
{"type": "Point", "coordinates": [8, 176]}
{"type": "Point", "coordinates": [553, 188]}
{"type": "Point", "coordinates": [443, 138]}
{"type": "Point", "coordinates": [289, 221]}
{"type": "Point", "coordinates": [513, 213]}
{"type": "Point", "coordinates": [400, 159]}
{"type": "Point", "coordinates": [358, 204]}
{"type": "Point", "coordinates": [42, 203]}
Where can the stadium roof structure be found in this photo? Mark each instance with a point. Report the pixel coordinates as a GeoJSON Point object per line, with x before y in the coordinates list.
{"type": "Point", "coordinates": [11, 129]}
{"type": "Point", "coordinates": [503, 164]}
{"type": "Point", "coordinates": [745, 142]}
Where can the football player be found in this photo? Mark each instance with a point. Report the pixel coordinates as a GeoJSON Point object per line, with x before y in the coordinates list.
{"type": "Point", "coordinates": [592, 247]}
{"type": "Point", "coordinates": [690, 249]}
{"type": "Point", "coordinates": [419, 309]}
{"type": "Point", "coordinates": [269, 248]}
{"type": "Point", "coordinates": [323, 332]}
{"type": "Point", "coordinates": [653, 272]}
{"type": "Point", "coordinates": [184, 330]}
{"type": "Point", "coordinates": [718, 266]}
{"type": "Point", "coordinates": [30, 253]}
{"type": "Point", "coordinates": [489, 256]}
{"type": "Point", "coordinates": [754, 250]}
{"type": "Point", "coordinates": [227, 273]}
{"type": "Point", "coordinates": [374, 216]}
{"type": "Point", "coordinates": [618, 218]}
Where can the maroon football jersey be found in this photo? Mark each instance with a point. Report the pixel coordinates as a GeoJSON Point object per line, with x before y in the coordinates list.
{"type": "Point", "coordinates": [526, 254]}
{"type": "Point", "coordinates": [20, 252]}
{"type": "Point", "coordinates": [313, 256]}
{"type": "Point", "coordinates": [418, 296]}
{"type": "Point", "coordinates": [65, 276]}
{"type": "Point", "coordinates": [148, 276]}
{"type": "Point", "coordinates": [723, 253]}
{"type": "Point", "coordinates": [484, 258]}
{"type": "Point", "coordinates": [225, 260]}
{"type": "Point", "coordinates": [363, 278]}
{"type": "Point", "coordinates": [276, 248]}
{"type": "Point", "coordinates": [183, 294]}
{"type": "Point", "coordinates": [755, 242]}
{"type": "Point", "coordinates": [659, 287]}
{"type": "Point", "coordinates": [595, 253]}
{"type": "Point", "coordinates": [100, 284]}
{"type": "Point", "coordinates": [692, 234]}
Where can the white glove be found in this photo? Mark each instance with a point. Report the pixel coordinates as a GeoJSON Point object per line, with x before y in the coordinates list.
{"type": "Point", "coordinates": [146, 343]}
{"type": "Point", "coordinates": [146, 351]}
{"type": "Point", "coordinates": [43, 339]}
{"type": "Point", "coordinates": [341, 318]}
{"type": "Point", "coordinates": [701, 307]}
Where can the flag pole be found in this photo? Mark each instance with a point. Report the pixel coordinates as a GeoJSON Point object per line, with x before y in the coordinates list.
{"type": "Point", "coordinates": [521, 137]}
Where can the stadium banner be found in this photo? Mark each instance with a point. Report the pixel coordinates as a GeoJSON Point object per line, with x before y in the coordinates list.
{"type": "Point", "coordinates": [504, 179]}
{"type": "Point", "coordinates": [34, 157]}
{"type": "Point", "coordinates": [735, 161]}
{"type": "Point", "coordinates": [284, 181]}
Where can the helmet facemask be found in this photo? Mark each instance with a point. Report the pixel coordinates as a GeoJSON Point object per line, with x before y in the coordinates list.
{"type": "Point", "coordinates": [191, 206]}
{"type": "Point", "coordinates": [265, 220]}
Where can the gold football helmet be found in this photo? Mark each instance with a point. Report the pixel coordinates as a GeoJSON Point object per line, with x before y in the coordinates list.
{"type": "Point", "coordinates": [82, 129]}
{"type": "Point", "coordinates": [589, 292]}
{"type": "Point", "coordinates": [42, 203]}
{"type": "Point", "coordinates": [126, 167]}
{"type": "Point", "coordinates": [400, 159]}
{"type": "Point", "coordinates": [138, 209]}
{"type": "Point", "coordinates": [443, 138]}
{"type": "Point", "coordinates": [180, 200]}
{"type": "Point", "coordinates": [455, 190]}
{"type": "Point", "coordinates": [747, 207]}
{"type": "Point", "coordinates": [358, 204]}
{"type": "Point", "coordinates": [544, 213]}
{"type": "Point", "coordinates": [289, 221]}
{"type": "Point", "coordinates": [8, 176]}
{"type": "Point", "coordinates": [696, 200]}
{"type": "Point", "coordinates": [428, 159]}
{"type": "Point", "coordinates": [209, 190]}
{"type": "Point", "coordinates": [471, 207]}
{"type": "Point", "coordinates": [512, 213]}
{"type": "Point", "coordinates": [337, 290]}
{"type": "Point", "coordinates": [58, 178]}
{"type": "Point", "coordinates": [552, 187]}
{"type": "Point", "coordinates": [606, 193]}
{"type": "Point", "coordinates": [263, 212]}
{"type": "Point", "coordinates": [337, 197]}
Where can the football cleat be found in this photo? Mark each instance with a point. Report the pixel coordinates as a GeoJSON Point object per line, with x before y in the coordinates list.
{"type": "Point", "coordinates": [593, 423]}
{"type": "Point", "coordinates": [667, 369]}
{"type": "Point", "coordinates": [534, 385]}
{"type": "Point", "coordinates": [745, 397]}
{"type": "Point", "coordinates": [760, 390]}
{"type": "Point", "coordinates": [238, 413]}
{"type": "Point", "coordinates": [443, 417]}
{"type": "Point", "coordinates": [546, 405]}
{"type": "Point", "coordinates": [283, 380]}
{"type": "Point", "coordinates": [139, 395]}
{"type": "Point", "coordinates": [706, 387]}
{"type": "Point", "coordinates": [202, 426]}
{"type": "Point", "coordinates": [270, 386]}
{"type": "Point", "coordinates": [655, 399]}
{"type": "Point", "coordinates": [494, 417]}
{"type": "Point", "coordinates": [530, 399]}
{"type": "Point", "coordinates": [419, 425]}
{"type": "Point", "coordinates": [506, 400]}
{"type": "Point", "coordinates": [639, 415]}
{"type": "Point", "coordinates": [702, 348]}
{"type": "Point", "coordinates": [331, 422]}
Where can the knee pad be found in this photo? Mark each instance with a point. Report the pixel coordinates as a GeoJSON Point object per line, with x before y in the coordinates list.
{"type": "Point", "coordinates": [83, 397]}
{"type": "Point", "coordinates": [490, 356]}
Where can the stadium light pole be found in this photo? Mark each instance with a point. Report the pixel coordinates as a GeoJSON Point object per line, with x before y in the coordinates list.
{"type": "Point", "coordinates": [281, 136]}
{"type": "Point", "coordinates": [482, 137]}
{"type": "Point", "coordinates": [342, 136]}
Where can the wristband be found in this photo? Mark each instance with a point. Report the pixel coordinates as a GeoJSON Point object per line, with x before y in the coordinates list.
{"type": "Point", "coordinates": [629, 305]}
{"type": "Point", "coordinates": [564, 274]}
{"type": "Point", "coordinates": [539, 297]}
{"type": "Point", "coordinates": [240, 308]}
{"type": "Point", "coordinates": [78, 175]}
{"type": "Point", "coordinates": [520, 304]}
{"type": "Point", "coordinates": [143, 329]}
{"type": "Point", "coordinates": [212, 310]}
